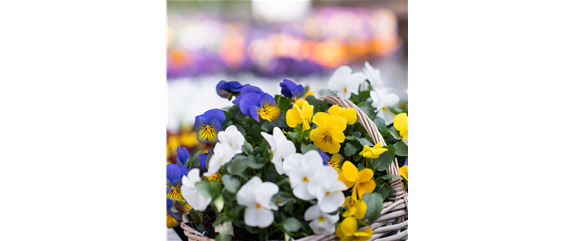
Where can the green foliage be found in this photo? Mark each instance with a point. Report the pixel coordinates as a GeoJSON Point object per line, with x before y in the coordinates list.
{"type": "Point", "coordinates": [351, 148]}
{"type": "Point", "coordinates": [231, 184]}
{"type": "Point", "coordinates": [374, 205]}
{"type": "Point", "coordinates": [291, 224]}
{"type": "Point", "coordinates": [203, 188]}
{"type": "Point", "coordinates": [282, 102]}
{"type": "Point", "coordinates": [382, 163]}
{"type": "Point", "coordinates": [401, 149]}
{"type": "Point", "coordinates": [380, 122]}
{"type": "Point", "coordinates": [247, 148]}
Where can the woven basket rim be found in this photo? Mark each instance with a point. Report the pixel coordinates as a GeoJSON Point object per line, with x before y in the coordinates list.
{"type": "Point", "coordinates": [393, 217]}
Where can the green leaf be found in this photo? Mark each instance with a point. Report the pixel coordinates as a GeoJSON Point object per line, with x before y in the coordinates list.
{"type": "Point", "coordinates": [382, 163]}
{"type": "Point", "coordinates": [308, 147]}
{"type": "Point", "coordinates": [222, 237]}
{"type": "Point", "coordinates": [314, 102]}
{"type": "Point", "coordinates": [291, 224]}
{"type": "Point", "coordinates": [289, 207]}
{"type": "Point", "coordinates": [230, 183]}
{"type": "Point", "coordinates": [204, 188]}
{"type": "Point", "coordinates": [237, 165]}
{"type": "Point", "coordinates": [351, 148]}
{"type": "Point", "coordinates": [364, 141]}
{"type": "Point", "coordinates": [200, 228]}
{"type": "Point", "coordinates": [283, 103]}
{"type": "Point", "coordinates": [380, 123]}
{"type": "Point", "coordinates": [291, 134]}
{"type": "Point", "coordinates": [327, 92]}
{"type": "Point", "coordinates": [401, 149]}
{"type": "Point", "coordinates": [267, 126]}
{"type": "Point", "coordinates": [215, 188]}
{"type": "Point", "coordinates": [389, 176]}
{"type": "Point", "coordinates": [374, 205]}
{"type": "Point", "coordinates": [282, 121]}
{"type": "Point", "coordinates": [194, 217]}
{"type": "Point", "coordinates": [241, 129]}
{"type": "Point", "coordinates": [385, 190]}
{"type": "Point", "coordinates": [247, 148]}
{"type": "Point", "coordinates": [323, 106]}
{"type": "Point", "coordinates": [252, 163]}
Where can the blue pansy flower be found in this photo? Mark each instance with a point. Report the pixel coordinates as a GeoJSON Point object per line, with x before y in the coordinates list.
{"type": "Point", "coordinates": [208, 125]}
{"type": "Point", "coordinates": [172, 219]}
{"type": "Point", "coordinates": [174, 174]}
{"type": "Point", "coordinates": [182, 156]}
{"type": "Point", "coordinates": [290, 89]}
{"type": "Point", "coordinates": [246, 90]}
{"type": "Point", "coordinates": [259, 106]}
{"type": "Point", "coordinates": [226, 89]}
{"type": "Point", "coordinates": [203, 157]}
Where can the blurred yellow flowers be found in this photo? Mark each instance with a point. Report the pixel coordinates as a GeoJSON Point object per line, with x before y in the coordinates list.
{"type": "Point", "coordinates": [349, 114]}
{"type": "Point", "coordinates": [361, 181]}
{"type": "Point", "coordinates": [347, 231]}
{"type": "Point", "coordinates": [373, 152]}
{"type": "Point", "coordinates": [329, 132]}
{"type": "Point", "coordinates": [300, 113]}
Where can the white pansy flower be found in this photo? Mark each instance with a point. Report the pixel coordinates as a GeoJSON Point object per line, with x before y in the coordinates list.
{"type": "Point", "coordinates": [232, 137]}
{"type": "Point", "coordinates": [301, 169]}
{"type": "Point", "coordinates": [222, 154]}
{"type": "Point", "coordinates": [381, 101]}
{"type": "Point", "coordinates": [345, 83]}
{"type": "Point", "coordinates": [191, 194]}
{"type": "Point", "coordinates": [280, 148]}
{"type": "Point", "coordinates": [374, 76]}
{"type": "Point", "coordinates": [327, 189]}
{"type": "Point", "coordinates": [256, 196]}
{"type": "Point", "coordinates": [225, 227]}
{"type": "Point", "coordinates": [322, 223]}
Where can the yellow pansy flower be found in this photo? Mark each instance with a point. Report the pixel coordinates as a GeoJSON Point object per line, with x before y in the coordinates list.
{"type": "Point", "coordinates": [349, 114]}
{"type": "Point", "coordinates": [336, 161]}
{"type": "Point", "coordinates": [329, 132]}
{"type": "Point", "coordinates": [357, 208]}
{"type": "Point", "coordinates": [404, 171]}
{"type": "Point", "coordinates": [361, 181]}
{"type": "Point", "coordinates": [373, 152]}
{"type": "Point", "coordinates": [308, 94]}
{"type": "Point", "coordinates": [301, 113]}
{"type": "Point", "coordinates": [402, 125]}
{"type": "Point", "coordinates": [347, 231]}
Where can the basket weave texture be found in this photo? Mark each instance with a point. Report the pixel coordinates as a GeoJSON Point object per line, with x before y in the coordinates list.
{"type": "Point", "coordinates": [392, 224]}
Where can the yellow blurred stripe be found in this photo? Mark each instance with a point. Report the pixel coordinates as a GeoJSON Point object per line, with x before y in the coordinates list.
{"type": "Point", "coordinates": [490, 123]}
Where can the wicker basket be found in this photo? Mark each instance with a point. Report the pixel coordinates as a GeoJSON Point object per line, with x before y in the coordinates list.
{"type": "Point", "coordinates": [392, 223]}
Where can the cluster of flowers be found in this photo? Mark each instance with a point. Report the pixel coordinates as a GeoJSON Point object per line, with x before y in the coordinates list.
{"type": "Point", "coordinates": [306, 191]}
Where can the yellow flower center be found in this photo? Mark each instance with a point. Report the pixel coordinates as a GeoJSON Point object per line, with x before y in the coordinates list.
{"type": "Point", "coordinates": [328, 139]}
{"type": "Point", "coordinates": [327, 194]}
{"type": "Point", "coordinates": [321, 219]}
{"type": "Point", "coordinates": [207, 131]}
{"type": "Point", "coordinates": [277, 202]}
{"type": "Point", "coordinates": [345, 90]}
{"type": "Point", "coordinates": [305, 179]}
{"type": "Point", "coordinates": [384, 108]}
{"type": "Point", "coordinates": [263, 113]}
{"type": "Point", "coordinates": [258, 206]}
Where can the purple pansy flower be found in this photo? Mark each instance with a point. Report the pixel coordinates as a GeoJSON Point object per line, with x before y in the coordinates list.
{"type": "Point", "coordinates": [208, 125]}
{"type": "Point", "coordinates": [290, 89]}
{"type": "Point", "coordinates": [259, 106]}
{"type": "Point", "coordinates": [227, 89]}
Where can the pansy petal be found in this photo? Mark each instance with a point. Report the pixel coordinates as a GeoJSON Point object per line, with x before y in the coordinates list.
{"type": "Point", "coordinates": [363, 187]}
{"type": "Point", "coordinates": [286, 87]}
{"type": "Point", "coordinates": [332, 202]}
{"type": "Point", "coordinates": [324, 157]}
{"type": "Point", "coordinates": [221, 89]}
{"type": "Point", "coordinates": [293, 117]}
{"type": "Point", "coordinates": [313, 212]}
{"type": "Point", "coordinates": [350, 171]}
{"type": "Point", "coordinates": [182, 154]}
{"type": "Point", "coordinates": [173, 172]}
{"type": "Point", "coordinates": [365, 175]}
{"type": "Point", "coordinates": [254, 113]}
{"type": "Point", "coordinates": [215, 114]}
{"type": "Point", "coordinates": [247, 101]}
